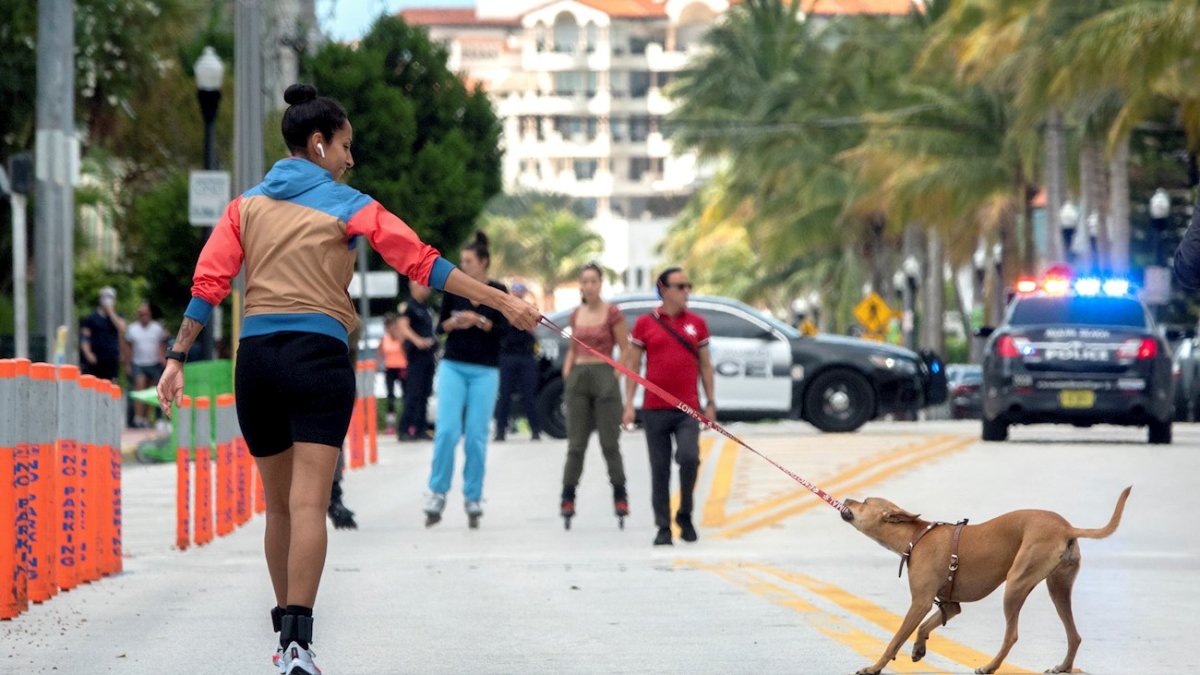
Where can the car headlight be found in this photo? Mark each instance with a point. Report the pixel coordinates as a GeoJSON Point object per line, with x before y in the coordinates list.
{"type": "Point", "coordinates": [894, 364]}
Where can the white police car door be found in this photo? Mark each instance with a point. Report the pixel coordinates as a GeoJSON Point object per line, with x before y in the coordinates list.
{"type": "Point", "coordinates": [751, 361]}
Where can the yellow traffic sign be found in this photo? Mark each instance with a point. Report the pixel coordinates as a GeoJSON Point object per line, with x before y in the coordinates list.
{"type": "Point", "coordinates": [873, 313]}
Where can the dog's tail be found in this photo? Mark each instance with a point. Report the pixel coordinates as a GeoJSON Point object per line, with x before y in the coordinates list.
{"type": "Point", "coordinates": [1112, 524]}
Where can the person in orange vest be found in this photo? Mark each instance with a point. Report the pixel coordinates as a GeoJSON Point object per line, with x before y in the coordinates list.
{"type": "Point", "coordinates": [395, 364]}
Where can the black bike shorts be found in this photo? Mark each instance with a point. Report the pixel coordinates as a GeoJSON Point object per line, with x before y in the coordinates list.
{"type": "Point", "coordinates": [293, 387]}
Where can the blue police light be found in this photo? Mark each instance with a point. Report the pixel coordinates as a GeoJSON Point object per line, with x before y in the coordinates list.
{"type": "Point", "coordinates": [1087, 286]}
{"type": "Point", "coordinates": [1116, 286]}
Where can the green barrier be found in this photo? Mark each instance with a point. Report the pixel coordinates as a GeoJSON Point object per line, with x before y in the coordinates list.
{"type": "Point", "coordinates": [203, 378]}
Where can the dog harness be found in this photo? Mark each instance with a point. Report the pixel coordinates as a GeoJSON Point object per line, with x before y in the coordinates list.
{"type": "Point", "coordinates": [946, 592]}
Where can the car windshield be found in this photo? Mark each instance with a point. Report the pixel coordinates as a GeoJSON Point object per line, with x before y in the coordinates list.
{"type": "Point", "coordinates": [1078, 311]}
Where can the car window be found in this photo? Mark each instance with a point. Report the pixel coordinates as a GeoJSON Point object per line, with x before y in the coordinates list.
{"type": "Point", "coordinates": [1078, 311]}
{"type": "Point", "coordinates": [723, 323]}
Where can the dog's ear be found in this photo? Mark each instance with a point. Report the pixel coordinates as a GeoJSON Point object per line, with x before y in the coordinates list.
{"type": "Point", "coordinates": [900, 516]}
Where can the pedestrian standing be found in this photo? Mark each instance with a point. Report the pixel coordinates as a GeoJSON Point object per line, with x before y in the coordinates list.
{"type": "Point", "coordinates": [395, 364]}
{"type": "Point", "coordinates": [100, 337]}
{"type": "Point", "coordinates": [420, 348]}
{"type": "Point", "coordinates": [592, 394]}
{"type": "Point", "coordinates": [468, 378]}
{"type": "Point", "coordinates": [297, 233]}
{"type": "Point", "coordinates": [675, 344]}
{"type": "Point", "coordinates": [518, 373]}
{"type": "Point", "coordinates": [147, 356]}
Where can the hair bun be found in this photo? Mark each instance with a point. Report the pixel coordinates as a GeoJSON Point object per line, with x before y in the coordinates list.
{"type": "Point", "coordinates": [481, 238]}
{"type": "Point", "coordinates": [299, 93]}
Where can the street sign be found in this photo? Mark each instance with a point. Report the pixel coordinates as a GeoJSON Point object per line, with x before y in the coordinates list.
{"type": "Point", "coordinates": [873, 313]}
{"type": "Point", "coordinates": [1157, 287]}
{"type": "Point", "coordinates": [208, 195]}
{"type": "Point", "coordinates": [385, 284]}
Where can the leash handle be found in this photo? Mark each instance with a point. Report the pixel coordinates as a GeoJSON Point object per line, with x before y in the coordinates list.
{"type": "Point", "coordinates": [698, 416]}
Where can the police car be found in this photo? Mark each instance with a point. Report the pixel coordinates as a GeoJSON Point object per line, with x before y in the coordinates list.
{"type": "Point", "coordinates": [1076, 351]}
{"type": "Point", "coordinates": [764, 368]}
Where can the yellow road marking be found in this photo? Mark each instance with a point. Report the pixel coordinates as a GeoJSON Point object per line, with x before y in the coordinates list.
{"type": "Point", "coordinates": [718, 513]}
{"type": "Point", "coordinates": [862, 643]}
{"type": "Point", "coordinates": [872, 479]}
{"type": "Point", "coordinates": [718, 494]}
{"type": "Point", "coordinates": [706, 446]}
{"type": "Point", "coordinates": [881, 617]}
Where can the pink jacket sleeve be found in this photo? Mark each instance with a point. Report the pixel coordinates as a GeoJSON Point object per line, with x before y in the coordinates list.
{"type": "Point", "coordinates": [399, 245]}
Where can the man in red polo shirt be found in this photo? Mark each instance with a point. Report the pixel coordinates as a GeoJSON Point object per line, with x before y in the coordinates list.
{"type": "Point", "coordinates": [675, 342]}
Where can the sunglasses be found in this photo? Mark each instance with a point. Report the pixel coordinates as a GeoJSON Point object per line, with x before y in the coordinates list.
{"type": "Point", "coordinates": [685, 286]}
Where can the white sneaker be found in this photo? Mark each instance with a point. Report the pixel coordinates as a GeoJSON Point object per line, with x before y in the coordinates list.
{"type": "Point", "coordinates": [277, 660]}
{"type": "Point", "coordinates": [436, 503]}
{"type": "Point", "coordinates": [299, 661]}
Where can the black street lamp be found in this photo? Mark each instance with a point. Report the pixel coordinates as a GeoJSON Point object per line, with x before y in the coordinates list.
{"type": "Point", "coordinates": [210, 73]}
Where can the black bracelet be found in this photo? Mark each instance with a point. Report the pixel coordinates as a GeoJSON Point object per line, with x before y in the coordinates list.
{"type": "Point", "coordinates": [181, 357]}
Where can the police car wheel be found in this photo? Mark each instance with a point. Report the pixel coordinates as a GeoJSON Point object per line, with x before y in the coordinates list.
{"type": "Point", "coordinates": [551, 409]}
{"type": "Point", "coordinates": [839, 401]}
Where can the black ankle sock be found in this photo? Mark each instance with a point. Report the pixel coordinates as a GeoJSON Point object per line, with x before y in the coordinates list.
{"type": "Point", "coordinates": [277, 618]}
{"type": "Point", "coordinates": [296, 626]}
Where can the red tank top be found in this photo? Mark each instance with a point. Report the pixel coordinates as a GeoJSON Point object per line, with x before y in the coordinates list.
{"type": "Point", "coordinates": [602, 336]}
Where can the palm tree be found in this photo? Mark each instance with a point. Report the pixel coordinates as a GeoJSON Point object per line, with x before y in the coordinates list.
{"type": "Point", "coordinates": [546, 244]}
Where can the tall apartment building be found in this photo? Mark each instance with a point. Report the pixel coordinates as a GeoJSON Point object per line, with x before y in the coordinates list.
{"type": "Point", "coordinates": [579, 86]}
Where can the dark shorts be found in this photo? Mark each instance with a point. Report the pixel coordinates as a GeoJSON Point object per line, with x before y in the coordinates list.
{"type": "Point", "coordinates": [152, 373]}
{"type": "Point", "coordinates": [293, 387]}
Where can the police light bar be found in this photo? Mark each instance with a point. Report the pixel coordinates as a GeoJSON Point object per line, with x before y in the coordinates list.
{"type": "Point", "coordinates": [1084, 286]}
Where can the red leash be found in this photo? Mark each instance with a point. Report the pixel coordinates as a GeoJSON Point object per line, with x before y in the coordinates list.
{"type": "Point", "coordinates": [674, 400]}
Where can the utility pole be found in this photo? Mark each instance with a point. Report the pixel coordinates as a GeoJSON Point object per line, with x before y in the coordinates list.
{"type": "Point", "coordinates": [249, 113]}
{"type": "Point", "coordinates": [56, 167]}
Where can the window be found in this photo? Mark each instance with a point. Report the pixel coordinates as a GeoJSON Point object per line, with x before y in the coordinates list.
{"type": "Point", "coordinates": [585, 169]}
{"type": "Point", "coordinates": [727, 323]}
{"type": "Point", "coordinates": [1096, 311]}
{"type": "Point", "coordinates": [639, 83]}
{"type": "Point", "coordinates": [639, 128]}
{"type": "Point", "coordinates": [585, 207]}
{"type": "Point", "coordinates": [567, 83]}
{"type": "Point", "coordinates": [638, 166]}
{"type": "Point", "coordinates": [619, 128]}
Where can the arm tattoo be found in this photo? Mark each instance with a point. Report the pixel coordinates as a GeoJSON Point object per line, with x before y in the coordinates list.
{"type": "Point", "coordinates": [188, 330]}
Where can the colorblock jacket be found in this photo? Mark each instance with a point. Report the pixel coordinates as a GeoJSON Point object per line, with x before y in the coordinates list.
{"type": "Point", "coordinates": [296, 233]}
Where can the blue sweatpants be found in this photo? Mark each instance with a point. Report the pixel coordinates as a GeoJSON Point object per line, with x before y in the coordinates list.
{"type": "Point", "coordinates": [466, 396]}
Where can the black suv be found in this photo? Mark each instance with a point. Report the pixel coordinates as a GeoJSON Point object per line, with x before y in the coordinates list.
{"type": "Point", "coordinates": [765, 369]}
{"type": "Point", "coordinates": [1084, 352]}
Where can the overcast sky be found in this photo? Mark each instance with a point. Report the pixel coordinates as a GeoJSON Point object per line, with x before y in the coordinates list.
{"type": "Point", "coordinates": [350, 19]}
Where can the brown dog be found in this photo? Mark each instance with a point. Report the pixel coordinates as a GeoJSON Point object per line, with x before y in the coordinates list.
{"type": "Point", "coordinates": [1018, 549]}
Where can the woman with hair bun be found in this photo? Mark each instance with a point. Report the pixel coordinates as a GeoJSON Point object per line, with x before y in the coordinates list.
{"type": "Point", "coordinates": [296, 234]}
{"type": "Point", "coordinates": [467, 381]}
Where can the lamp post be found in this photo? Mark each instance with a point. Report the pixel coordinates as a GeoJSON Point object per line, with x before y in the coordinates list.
{"type": "Point", "coordinates": [1160, 208]}
{"type": "Point", "coordinates": [912, 273]}
{"type": "Point", "coordinates": [1068, 216]}
{"type": "Point", "coordinates": [210, 73]}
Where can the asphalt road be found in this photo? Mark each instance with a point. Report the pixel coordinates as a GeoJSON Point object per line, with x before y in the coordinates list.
{"type": "Point", "coordinates": [776, 584]}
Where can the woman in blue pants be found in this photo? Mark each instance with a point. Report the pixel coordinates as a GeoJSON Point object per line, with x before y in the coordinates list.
{"type": "Point", "coordinates": [468, 378]}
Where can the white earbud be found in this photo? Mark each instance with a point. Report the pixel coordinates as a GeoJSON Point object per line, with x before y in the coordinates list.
{"type": "Point", "coordinates": [321, 149]}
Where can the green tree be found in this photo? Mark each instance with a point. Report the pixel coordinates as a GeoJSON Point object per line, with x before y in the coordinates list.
{"type": "Point", "coordinates": [424, 146]}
